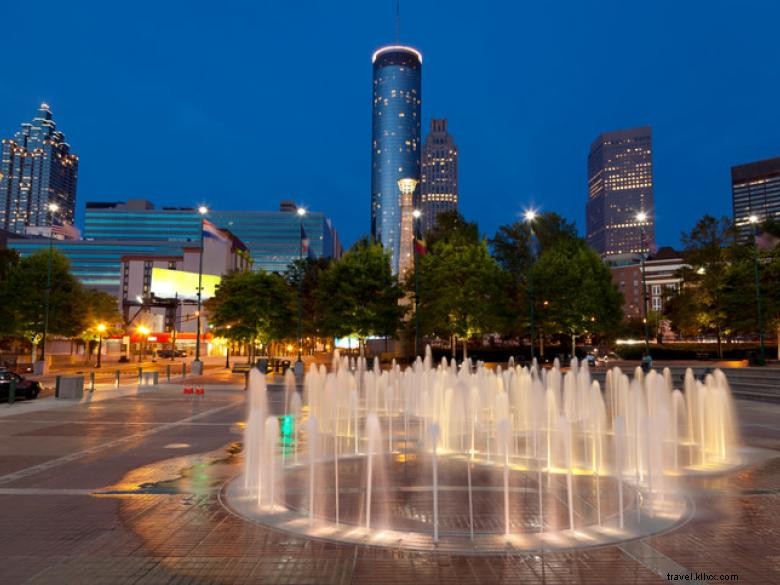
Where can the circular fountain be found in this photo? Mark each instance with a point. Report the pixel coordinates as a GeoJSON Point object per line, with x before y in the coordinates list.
{"type": "Point", "coordinates": [483, 461]}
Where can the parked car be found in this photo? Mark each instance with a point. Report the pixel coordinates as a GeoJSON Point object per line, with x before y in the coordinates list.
{"type": "Point", "coordinates": [168, 353]}
{"type": "Point", "coordinates": [28, 389]}
{"type": "Point", "coordinates": [604, 359]}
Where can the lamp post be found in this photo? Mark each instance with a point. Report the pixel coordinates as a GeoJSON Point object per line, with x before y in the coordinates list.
{"type": "Point", "coordinates": [101, 328]}
{"type": "Point", "coordinates": [52, 208]}
{"type": "Point", "coordinates": [530, 216]}
{"type": "Point", "coordinates": [227, 351]}
{"type": "Point", "coordinates": [642, 217]}
{"type": "Point", "coordinates": [416, 215]}
{"type": "Point", "coordinates": [143, 331]}
{"type": "Point", "coordinates": [301, 212]}
{"type": "Point", "coordinates": [753, 219]}
{"type": "Point", "coordinates": [197, 365]}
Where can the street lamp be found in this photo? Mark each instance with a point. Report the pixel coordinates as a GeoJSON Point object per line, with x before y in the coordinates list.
{"type": "Point", "coordinates": [530, 217]}
{"type": "Point", "coordinates": [101, 328]}
{"type": "Point", "coordinates": [753, 219]}
{"type": "Point", "coordinates": [301, 212]}
{"type": "Point", "coordinates": [52, 208]}
{"type": "Point", "coordinates": [143, 331]}
{"type": "Point", "coordinates": [642, 218]}
{"type": "Point", "coordinates": [227, 352]}
{"type": "Point", "coordinates": [416, 215]}
{"type": "Point", "coordinates": [197, 365]}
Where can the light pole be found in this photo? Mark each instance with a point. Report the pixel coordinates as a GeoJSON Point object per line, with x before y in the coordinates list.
{"type": "Point", "coordinates": [416, 215]}
{"type": "Point", "coordinates": [641, 217]}
{"type": "Point", "coordinates": [227, 351]}
{"type": "Point", "coordinates": [530, 216]}
{"type": "Point", "coordinates": [143, 331]}
{"type": "Point", "coordinates": [197, 365]}
{"type": "Point", "coordinates": [753, 219]}
{"type": "Point", "coordinates": [301, 212]}
{"type": "Point", "coordinates": [101, 328]}
{"type": "Point", "coordinates": [52, 208]}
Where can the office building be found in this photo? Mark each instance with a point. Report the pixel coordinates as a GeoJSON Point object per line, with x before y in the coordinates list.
{"type": "Point", "coordinates": [755, 190]}
{"type": "Point", "coordinates": [37, 170]}
{"type": "Point", "coordinates": [620, 185]}
{"type": "Point", "coordinates": [272, 238]}
{"type": "Point", "coordinates": [439, 183]}
{"type": "Point", "coordinates": [395, 143]}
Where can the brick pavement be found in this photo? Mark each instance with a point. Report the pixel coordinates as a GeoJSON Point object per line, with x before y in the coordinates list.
{"type": "Point", "coordinates": [122, 512]}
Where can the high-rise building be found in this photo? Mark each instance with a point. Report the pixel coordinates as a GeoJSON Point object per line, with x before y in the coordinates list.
{"type": "Point", "coordinates": [395, 146]}
{"type": "Point", "coordinates": [755, 190]}
{"type": "Point", "coordinates": [439, 184]}
{"type": "Point", "coordinates": [620, 186]}
{"type": "Point", "coordinates": [37, 170]}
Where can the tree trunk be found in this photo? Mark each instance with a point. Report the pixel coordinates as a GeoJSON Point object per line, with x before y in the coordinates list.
{"type": "Point", "coordinates": [573, 345]}
{"type": "Point", "coordinates": [454, 345]}
{"type": "Point", "coordinates": [362, 345]}
{"type": "Point", "coordinates": [465, 349]}
{"type": "Point", "coordinates": [541, 348]}
{"type": "Point", "coordinates": [720, 347]}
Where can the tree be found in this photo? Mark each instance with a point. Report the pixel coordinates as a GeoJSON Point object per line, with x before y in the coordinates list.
{"type": "Point", "coordinates": [101, 309]}
{"type": "Point", "coordinates": [252, 307]}
{"type": "Point", "coordinates": [451, 227]}
{"type": "Point", "coordinates": [516, 247]}
{"type": "Point", "coordinates": [702, 303]}
{"type": "Point", "coordinates": [576, 290]}
{"type": "Point", "coordinates": [463, 291]}
{"type": "Point", "coordinates": [24, 294]}
{"type": "Point", "coordinates": [360, 295]}
{"type": "Point", "coordinates": [512, 248]}
{"type": "Point", "coordinates": [306, 276]}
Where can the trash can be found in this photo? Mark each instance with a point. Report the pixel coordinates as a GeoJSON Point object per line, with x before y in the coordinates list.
{"type": "Point", "coordinates": [150, 378]}
{"type": "Point", "coordinates": [70, 388]}
{"type": "Point", "coordinates": [262, 365]}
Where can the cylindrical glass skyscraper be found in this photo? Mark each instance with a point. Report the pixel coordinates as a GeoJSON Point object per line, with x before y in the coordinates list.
{"type": "Point", "coordinates": [395, 145]}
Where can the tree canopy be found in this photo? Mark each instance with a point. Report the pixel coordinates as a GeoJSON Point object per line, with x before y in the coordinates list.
{"type": "Point", "coordinates": [358, 294]}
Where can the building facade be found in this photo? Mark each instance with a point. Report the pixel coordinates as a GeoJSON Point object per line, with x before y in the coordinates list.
{"type": "Point", "coordinates": [273, 238]}
{"type": "Point", "coordinates": [395, 143]}
{"type": "Point", "coordinates": [37, 169]}
{"type": "Point", "coordinates": [620, 186]}
{"type": "Point", "coordinates": [755, 190]}
{"type": "Point", "coordinates": [439, 177]}
{"type": "Point", "coordinates": [662, 280]}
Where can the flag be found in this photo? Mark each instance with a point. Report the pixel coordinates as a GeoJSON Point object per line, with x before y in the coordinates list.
{"type": "Point", "coordinates": [419, 247]}
{"type": "Point", "coordinates": [212, 231]}
{"type": "Point", "coordinates": [304, 243]}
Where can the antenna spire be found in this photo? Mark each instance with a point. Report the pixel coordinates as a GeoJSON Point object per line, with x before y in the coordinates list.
{"type": "Point", "coordinates": [398, 21]}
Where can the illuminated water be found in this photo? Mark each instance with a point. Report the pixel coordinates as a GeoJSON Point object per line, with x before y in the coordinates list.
{"type": "Point", "coordinates": [478, 461]}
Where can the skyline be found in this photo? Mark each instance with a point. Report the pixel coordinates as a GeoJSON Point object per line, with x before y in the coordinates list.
{"type": "Point", "coordinates": [163, 108]}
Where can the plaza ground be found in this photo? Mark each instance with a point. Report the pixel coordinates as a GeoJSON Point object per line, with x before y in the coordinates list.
{"type": "Point", "coordinates": [124, 488]}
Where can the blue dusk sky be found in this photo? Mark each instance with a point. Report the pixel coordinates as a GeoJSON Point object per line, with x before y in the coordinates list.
{"type": "Point", "coordinates": [241, 104]}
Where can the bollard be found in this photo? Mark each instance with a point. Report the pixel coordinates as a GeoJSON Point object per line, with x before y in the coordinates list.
{"type": "Point", "coordinates": [183, 370]}
{"type": "Point", "coordinates": [12, 391]}
{"type": "Point", "coordinates": [91, 381]}
{"type": "Point", "coordinates": [57, 387]}
{"type": "Point", "coordinates": [168, 373]}
{"type": "Point", "coordinates": [140, 376]}
{"type": "Point", "coordinates": [116, 379]}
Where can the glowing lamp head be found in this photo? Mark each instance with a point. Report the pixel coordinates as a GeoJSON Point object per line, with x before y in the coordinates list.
{"type": "Point", "coordinates": [101, 328]}
{"type": "Point", "coordinates": [753, 219]}
{"type": "Point", "coordinates": [530, 215]}
{"type": "Point", "coordinates": [203, 210]}
{"type": "Point", "coordinates": [53, 207]}
{"type": "Point", "coordinates": [301, 211]}
{"type": "Point", "coordinates": [407, 185]}
{"type": "Point", "coordinates": [143, 330]}
{"type": "Point", "coordinates": [416, 214]}
{"type": "Point", "coordinates": [641, 217]}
